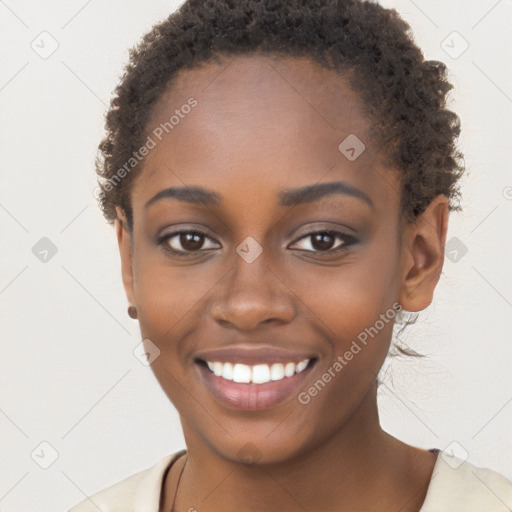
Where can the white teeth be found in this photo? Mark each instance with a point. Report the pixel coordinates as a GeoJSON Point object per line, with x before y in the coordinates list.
{"type": "Point", "coordinates": [227, 371]}
{"type": "Point", "coordinates": [260, 374]}
{"type": "Point", "coordinates": [241, 373]}
{"type": "Point", "coordinates": [289, 369]}
{"type": "Point", "coordinates": [277, 371]}
{"type": "Point", "coordinates": [301, 366]}
{"type": "Point", "coordinates": [257, 374]}
{"type": "Point", "coordinates": [217, 369]}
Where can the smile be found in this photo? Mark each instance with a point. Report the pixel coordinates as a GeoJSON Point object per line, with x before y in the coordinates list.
{"type": "Point", "coordinates": [256, 374]}
{"type": "Point", "coordinates": [252, 387]}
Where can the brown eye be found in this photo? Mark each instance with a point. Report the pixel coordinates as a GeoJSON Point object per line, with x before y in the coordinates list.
{"type": "Point", "coordinates": [189, 241]}
{"type": "Point", "coordinates": [324, 242]}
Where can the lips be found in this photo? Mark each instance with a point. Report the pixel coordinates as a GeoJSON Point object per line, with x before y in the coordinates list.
{"type": "Point", "coordinates": [253, 378]}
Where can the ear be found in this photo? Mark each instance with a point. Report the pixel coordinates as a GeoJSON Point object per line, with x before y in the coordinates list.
{"type": "Point", "coordinates": [422, 255]}
{"type": "Point", "coordinates": [124, 240]}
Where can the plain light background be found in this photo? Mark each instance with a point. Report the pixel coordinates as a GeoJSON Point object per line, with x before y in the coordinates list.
{"type": "Point", "coordinates": [68, 376]}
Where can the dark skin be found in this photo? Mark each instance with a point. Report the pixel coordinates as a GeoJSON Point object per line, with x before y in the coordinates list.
{"type": "Point", "coordinates": [262, 125]}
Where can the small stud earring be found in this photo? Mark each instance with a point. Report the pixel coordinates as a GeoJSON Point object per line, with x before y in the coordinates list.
{"type": "Point", "coordinates": [132, 311]}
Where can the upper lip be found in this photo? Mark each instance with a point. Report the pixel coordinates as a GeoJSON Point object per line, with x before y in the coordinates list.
{"type": "Point", "coordinates": [253, 355]}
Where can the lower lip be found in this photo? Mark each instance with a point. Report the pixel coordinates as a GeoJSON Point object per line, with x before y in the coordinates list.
{"type": "Point", "coordinates": [251, 397]}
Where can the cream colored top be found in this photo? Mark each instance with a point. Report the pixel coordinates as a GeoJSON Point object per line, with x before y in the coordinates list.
{"type": "Point", "coordinates": [455, 486]}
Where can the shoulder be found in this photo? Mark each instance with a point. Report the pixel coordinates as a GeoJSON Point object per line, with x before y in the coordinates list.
{"type": "Point", "coordinates": [459, 486]}
{"type": "Point", "coordinates": [137, 493]}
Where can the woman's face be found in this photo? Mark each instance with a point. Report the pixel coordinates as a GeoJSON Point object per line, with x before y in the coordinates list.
{"type": "Point", "coordinates": [267, 275]}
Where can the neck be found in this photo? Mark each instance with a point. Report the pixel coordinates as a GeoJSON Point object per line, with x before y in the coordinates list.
{"type": "Point", "coordinates": [359, 468]}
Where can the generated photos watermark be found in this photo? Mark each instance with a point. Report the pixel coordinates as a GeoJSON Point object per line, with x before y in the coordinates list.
{"type": "Point", "coordinates": [304, 397]}
{"type": "Point", "coordinates": [151, 142]}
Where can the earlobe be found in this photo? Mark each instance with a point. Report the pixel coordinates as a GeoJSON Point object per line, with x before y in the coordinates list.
{"type": "Point", "coordinates": [422, 256]}
{"type": "Point", "coordinates": [124, 240]}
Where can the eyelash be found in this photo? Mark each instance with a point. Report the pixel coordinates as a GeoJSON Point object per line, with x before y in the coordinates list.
{"type": "Point", "coordinates": [348, 240]}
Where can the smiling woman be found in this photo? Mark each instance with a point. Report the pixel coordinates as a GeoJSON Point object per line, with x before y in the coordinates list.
{"type": "Point", "coordinates": [269, 236]}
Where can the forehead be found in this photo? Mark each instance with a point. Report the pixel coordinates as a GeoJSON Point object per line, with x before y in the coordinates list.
{"type": "Point", "coordinates": [260, 119]}
{"type": "Point", "coordinates": [259, 91]}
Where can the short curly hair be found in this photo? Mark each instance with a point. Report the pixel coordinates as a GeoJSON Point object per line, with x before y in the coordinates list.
{"type": "Point", "coordinates": [403, 94]}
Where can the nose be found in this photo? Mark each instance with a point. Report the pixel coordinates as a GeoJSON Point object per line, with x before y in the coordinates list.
{"type": "Point", "coordinates": [252, 294]}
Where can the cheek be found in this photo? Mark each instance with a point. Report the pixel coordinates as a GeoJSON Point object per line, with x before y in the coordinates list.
{"type": "Point", "coordinates": [354, 310]}
{"type": "Point", "coordinates": [356, 314]}
{"type": "Point", "coordinates": [353, 306]}
{"type": "Point", "coordinates": [171, 302]}
{"type": "Point", "coordinates": [351, 297]}
{"type": "Point", "coordinates": [164, 298]}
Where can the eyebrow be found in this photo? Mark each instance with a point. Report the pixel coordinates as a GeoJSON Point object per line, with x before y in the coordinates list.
{"type": "Point", "coordinates": [287, 197]}
{"type": "Point", "coordinates": [188, 194]}
{"type": "Point", "coordinates": [309, 193]}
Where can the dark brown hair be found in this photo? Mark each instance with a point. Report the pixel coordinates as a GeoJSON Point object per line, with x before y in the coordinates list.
{"type": "Point", "coordinates": [404, 94]}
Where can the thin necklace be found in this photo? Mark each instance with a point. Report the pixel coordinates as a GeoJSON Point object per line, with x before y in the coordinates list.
{"type": "Point", "coordinates": [177, 486]}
